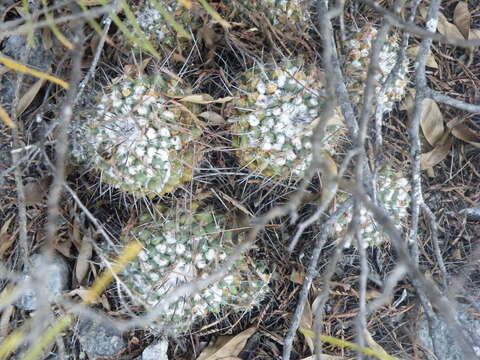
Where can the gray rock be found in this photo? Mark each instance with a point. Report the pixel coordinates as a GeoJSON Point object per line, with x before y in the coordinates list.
{"type": "Point", "coordinates": [98, 340]}
{"type": "Point", "coordinates": [157, 351]}
{"type": "Point", "coordinates": [56, 272]}
{"type": "Point", "coordinates": [448, 348]}
{"type": "Point", "coordinates": [39, 58]}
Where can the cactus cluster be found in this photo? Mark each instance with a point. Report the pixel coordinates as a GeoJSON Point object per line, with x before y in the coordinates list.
{"type": "Point", "coordinates": [393, 192]}
{"type": "Point", "coordinates": [181, 246]}
{"type": "Point", "coordinates": [356, 66]}
{"type": "Point", "coordinates": [278, 107]}
{"type": "Point", "coordinates": [139, 138]}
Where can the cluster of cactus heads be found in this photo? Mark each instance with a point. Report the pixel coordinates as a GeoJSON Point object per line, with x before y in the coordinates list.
{"type": "Point", "coordinates": [278, 107]}
{"type": "Point", "coordinates": [393, 193]}
{"type": "Point", "coordinates": [139, 138]}
{"type": "Point", "coordinates": [356, 67]}
{"type": "Point", "coordinates": [181, 246]}
{"type": "Point", "coordinates": [144, 142]}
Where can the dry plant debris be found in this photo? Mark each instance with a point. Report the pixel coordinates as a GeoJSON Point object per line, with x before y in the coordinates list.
{"type": "Point", "coordinates": [199, 98]}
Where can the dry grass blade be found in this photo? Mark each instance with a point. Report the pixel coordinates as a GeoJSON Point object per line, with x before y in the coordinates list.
{"type": "Point", "coordinates": [171, 20]}
{"type": "Point", "coordinates": [349, 345]}
{"type": "Point", "coordinates": [6, 118]}
{"type": "Point", "coordinates": [28, 97]}
{"type": "Point", "coordinates": [55, 30]}
{"type": "Point", "coordinates": [12, 64]}
{"type": "Point", "coordinates": [215, 15]}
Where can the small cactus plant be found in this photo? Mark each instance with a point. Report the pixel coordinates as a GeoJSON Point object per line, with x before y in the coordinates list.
{"type": "Point", "coordinates": [181, 246]}
{"type": "Point", "coordinates": [281, 12]}
{"type": "Point", "coordinates": [150, 15]}
{"type": "Point", "coordinates": [393, 192]}
{"type": "Point", "coordinates": [278, 107]}
{"type": "Point", "coordinates": [139, 138]}
{"type": "Point", "coordinates": [357, 61]}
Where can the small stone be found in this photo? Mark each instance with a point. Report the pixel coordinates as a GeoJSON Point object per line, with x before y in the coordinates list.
{"type": "Point", "coordinates": [57, 273]}
{"type": "Point", "coordinates": [157, 351]}
{"type": "Point", "coordinates": [99, 340]}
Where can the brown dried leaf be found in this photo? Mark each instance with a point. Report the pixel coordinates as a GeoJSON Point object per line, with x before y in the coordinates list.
{"type": "Point", "coordinates": [447, 28]}
{"type": "Point", "coordinates": [212, 117]}
{"type": "Point", "coordinates": [373, 294]}
{"type": "Point", "coordinates": [297, 277]}
{"type": "Point", "coordinates": [412, 54]}
{"type": "Point", "coordinates": [35, 191]}
{"type": "Point", "coordinates": [229, 349]}
{"type": "Point", "coordinates": [464, 133]}
{"type": "Point", "coordinates": [64, 247]}
{"type": "Point", "coordinates": [324, 357]}
{"type": "Point", "coordinates": [474, 34]}
{"type": "Point", "coordinates": [462, 17]}
{"type": "Point", "coordinates": [198, 98]}
{"type": "Point", "coordinates": [423, 11]}
{"type": "Point", "coordinates": [84, 255]}
{"type": "Point", "coordinates": [439, 152]}
{"type": "Point", "coordinates": [306, 322]}
{"type": "Point", "coordinates": [209, 36]}
{"type": "Point", "coordinates": [28, 97]}
{"type": "Point", "coordinates": [431, 122]}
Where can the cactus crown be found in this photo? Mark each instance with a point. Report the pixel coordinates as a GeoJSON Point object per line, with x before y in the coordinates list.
{"type": "Point", "coordinates": [139, 137]}
{"type": "Point", "coordinates": [181, 246]}
{"type": "Point", "coordinates": [278, 107]}
{"type": "Point", "coordinates": [357, 61]}
{"type": "Point", "coordinates": [393, 192]}
{"type": "Point", "coordinates": [151, 17]}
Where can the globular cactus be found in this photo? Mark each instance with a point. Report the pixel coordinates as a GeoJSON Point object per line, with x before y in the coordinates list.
{"type": "Point", "coordinates": [139, 137]}
{"type": "Point", "coordinates": [181, 246]}
{"type": "Point", "coordinates": [158, 28]}
{"type": "Point", "coordinates": [393, 192]}
{"type": "Point", "coordinates": [278, 107]}
{"type": "Point", "coordinates": [356, 67]}
{"type": "Point", "coordinates": [281, 12]}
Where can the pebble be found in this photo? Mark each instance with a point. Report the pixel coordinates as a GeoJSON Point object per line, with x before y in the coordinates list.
{"type": "Point", "coordinates": [99, 340]}
{"type": "Point", "coordinates": [156, 351]}
{"type": "Point", "coordinates": [57, 273]}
